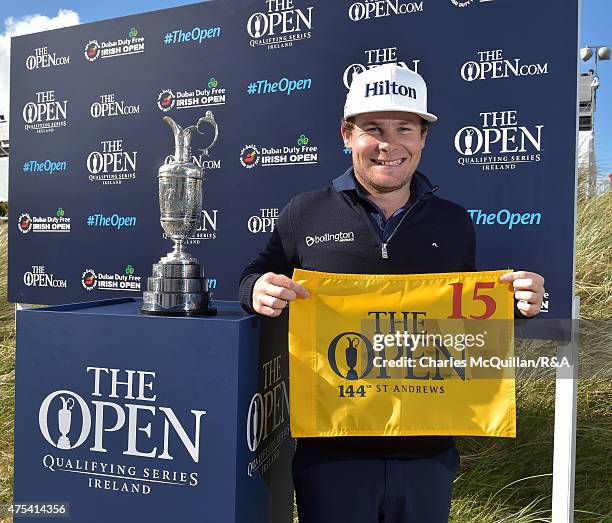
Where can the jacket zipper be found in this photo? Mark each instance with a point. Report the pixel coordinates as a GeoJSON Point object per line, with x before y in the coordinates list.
{"type": "Point", "coordinates": [383, 249]}
{"type": "Point", "coordinates": [383, 245]}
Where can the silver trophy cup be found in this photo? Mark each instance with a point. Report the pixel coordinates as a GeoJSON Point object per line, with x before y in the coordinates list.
{"type": "Point", "coordinates": [177, 286]}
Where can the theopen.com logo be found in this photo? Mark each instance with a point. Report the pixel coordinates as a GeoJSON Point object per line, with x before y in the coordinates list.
{"type": "Point", "coordinates": [42, 58]}
{"type": "Point", "coordinates": [38, 277]}
{"type": "Point", "coordinates": [492, 64]}
{"type": "Point", "coordinates": [109, 106]}
{"type": "Point", "coordinates": [331, 237]}
{"type": "Point", "coordinates": [381, 8]}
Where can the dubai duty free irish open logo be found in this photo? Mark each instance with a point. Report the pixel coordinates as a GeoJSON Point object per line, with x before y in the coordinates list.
{"type": "Point", "coordinates": [46, 224]}
{"type": "Point", "coordinates": [25, 223]}
{"type": "Point", "coordinates": [165, 100]}
{"type": "Point", "coordinates": [133, 44]}
{"type": "Point", "coordinates": [92, 50]}
{"type": "Point", "coordinates": [249, 156]}
{"type": "Point", "coordinates": [89, 279]}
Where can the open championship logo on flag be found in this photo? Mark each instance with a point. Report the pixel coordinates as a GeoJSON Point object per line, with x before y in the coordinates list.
{"type": "Point", "coordinates": [399, 355]}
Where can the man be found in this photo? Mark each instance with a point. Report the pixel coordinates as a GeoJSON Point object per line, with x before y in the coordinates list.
{"type": "Point", "coordinates": [398, 226]}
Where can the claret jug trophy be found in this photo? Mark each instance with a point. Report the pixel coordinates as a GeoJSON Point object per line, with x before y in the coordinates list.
{"type": "Point", "coordinates": [178, 286]}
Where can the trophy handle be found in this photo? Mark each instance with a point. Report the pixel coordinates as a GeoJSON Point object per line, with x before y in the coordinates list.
{"type": "Point", "coordinates": [209, 118]}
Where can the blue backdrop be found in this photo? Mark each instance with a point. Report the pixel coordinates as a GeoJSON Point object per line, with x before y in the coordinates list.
{"type": "Point", "coordinates": [87, 135]}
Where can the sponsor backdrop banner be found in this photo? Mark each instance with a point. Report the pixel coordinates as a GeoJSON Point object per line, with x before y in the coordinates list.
{"type": "Point", "coordinates": [87, 135]}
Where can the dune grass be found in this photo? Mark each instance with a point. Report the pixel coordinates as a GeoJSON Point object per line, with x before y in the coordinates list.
{"type": "Point", "coordinates": [7, 379]}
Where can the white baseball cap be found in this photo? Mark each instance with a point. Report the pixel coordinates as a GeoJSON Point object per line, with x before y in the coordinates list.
{"type": "Point", "coordinates": [388, 87]}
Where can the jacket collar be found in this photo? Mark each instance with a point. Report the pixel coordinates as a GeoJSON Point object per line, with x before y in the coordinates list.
{"type": "Point", "coordinates": [419, 185]}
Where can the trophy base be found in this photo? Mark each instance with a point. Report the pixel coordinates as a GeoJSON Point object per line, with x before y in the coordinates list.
{"type": "Point", "coordinates": [177, 289]}
{"type": "Point", "coordinates": [177, 304]}
{"type": "Point", "coordinates": [208, 312]}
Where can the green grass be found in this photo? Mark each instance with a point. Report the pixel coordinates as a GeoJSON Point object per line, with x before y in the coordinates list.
{"type": "Point", "coordinates": [593, 257]}
{"type": "Point", "coordinates": [7, 379]}
{"type": "Point", "coordinates": [500, 480]}
{"type": "Point", "coordinates": [511, 480]}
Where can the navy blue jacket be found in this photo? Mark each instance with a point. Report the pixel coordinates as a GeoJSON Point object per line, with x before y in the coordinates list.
{"type": "Point", "coordinates": [329, 230]}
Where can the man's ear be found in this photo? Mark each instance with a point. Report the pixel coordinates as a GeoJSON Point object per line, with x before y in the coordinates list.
{"type": "Point", "coordinates": [424, 134]}
{"type": "Point", "coordinates": [346, 135]}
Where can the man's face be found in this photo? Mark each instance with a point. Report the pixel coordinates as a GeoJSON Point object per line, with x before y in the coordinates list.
{"type": "Point", "coordinates": [386, 149]}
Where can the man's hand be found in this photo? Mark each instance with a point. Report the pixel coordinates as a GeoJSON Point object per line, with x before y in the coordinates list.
{"type": "Point", "coordinates": [528, 290]}
{"type": "Point", "coordinates": [273, 292]}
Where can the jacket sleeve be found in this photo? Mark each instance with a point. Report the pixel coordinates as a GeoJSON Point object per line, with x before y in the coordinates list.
{"type": "Point", "coordinates": [279, 256]}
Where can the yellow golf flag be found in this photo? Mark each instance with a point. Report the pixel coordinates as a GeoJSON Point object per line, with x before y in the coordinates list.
{"type": "Point", "coordinates": [394, 355]}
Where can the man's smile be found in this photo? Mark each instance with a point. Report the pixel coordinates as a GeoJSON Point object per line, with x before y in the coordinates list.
{"type": "Point", "coordinates": [389, 163]}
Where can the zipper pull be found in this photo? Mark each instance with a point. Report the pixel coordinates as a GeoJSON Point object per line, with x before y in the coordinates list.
{"type": "Point", "coordinates": [384, 251]}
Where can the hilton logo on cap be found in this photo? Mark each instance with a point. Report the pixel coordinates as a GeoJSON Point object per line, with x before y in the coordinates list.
{"type": "Point", "coordinates": [387, 87]}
